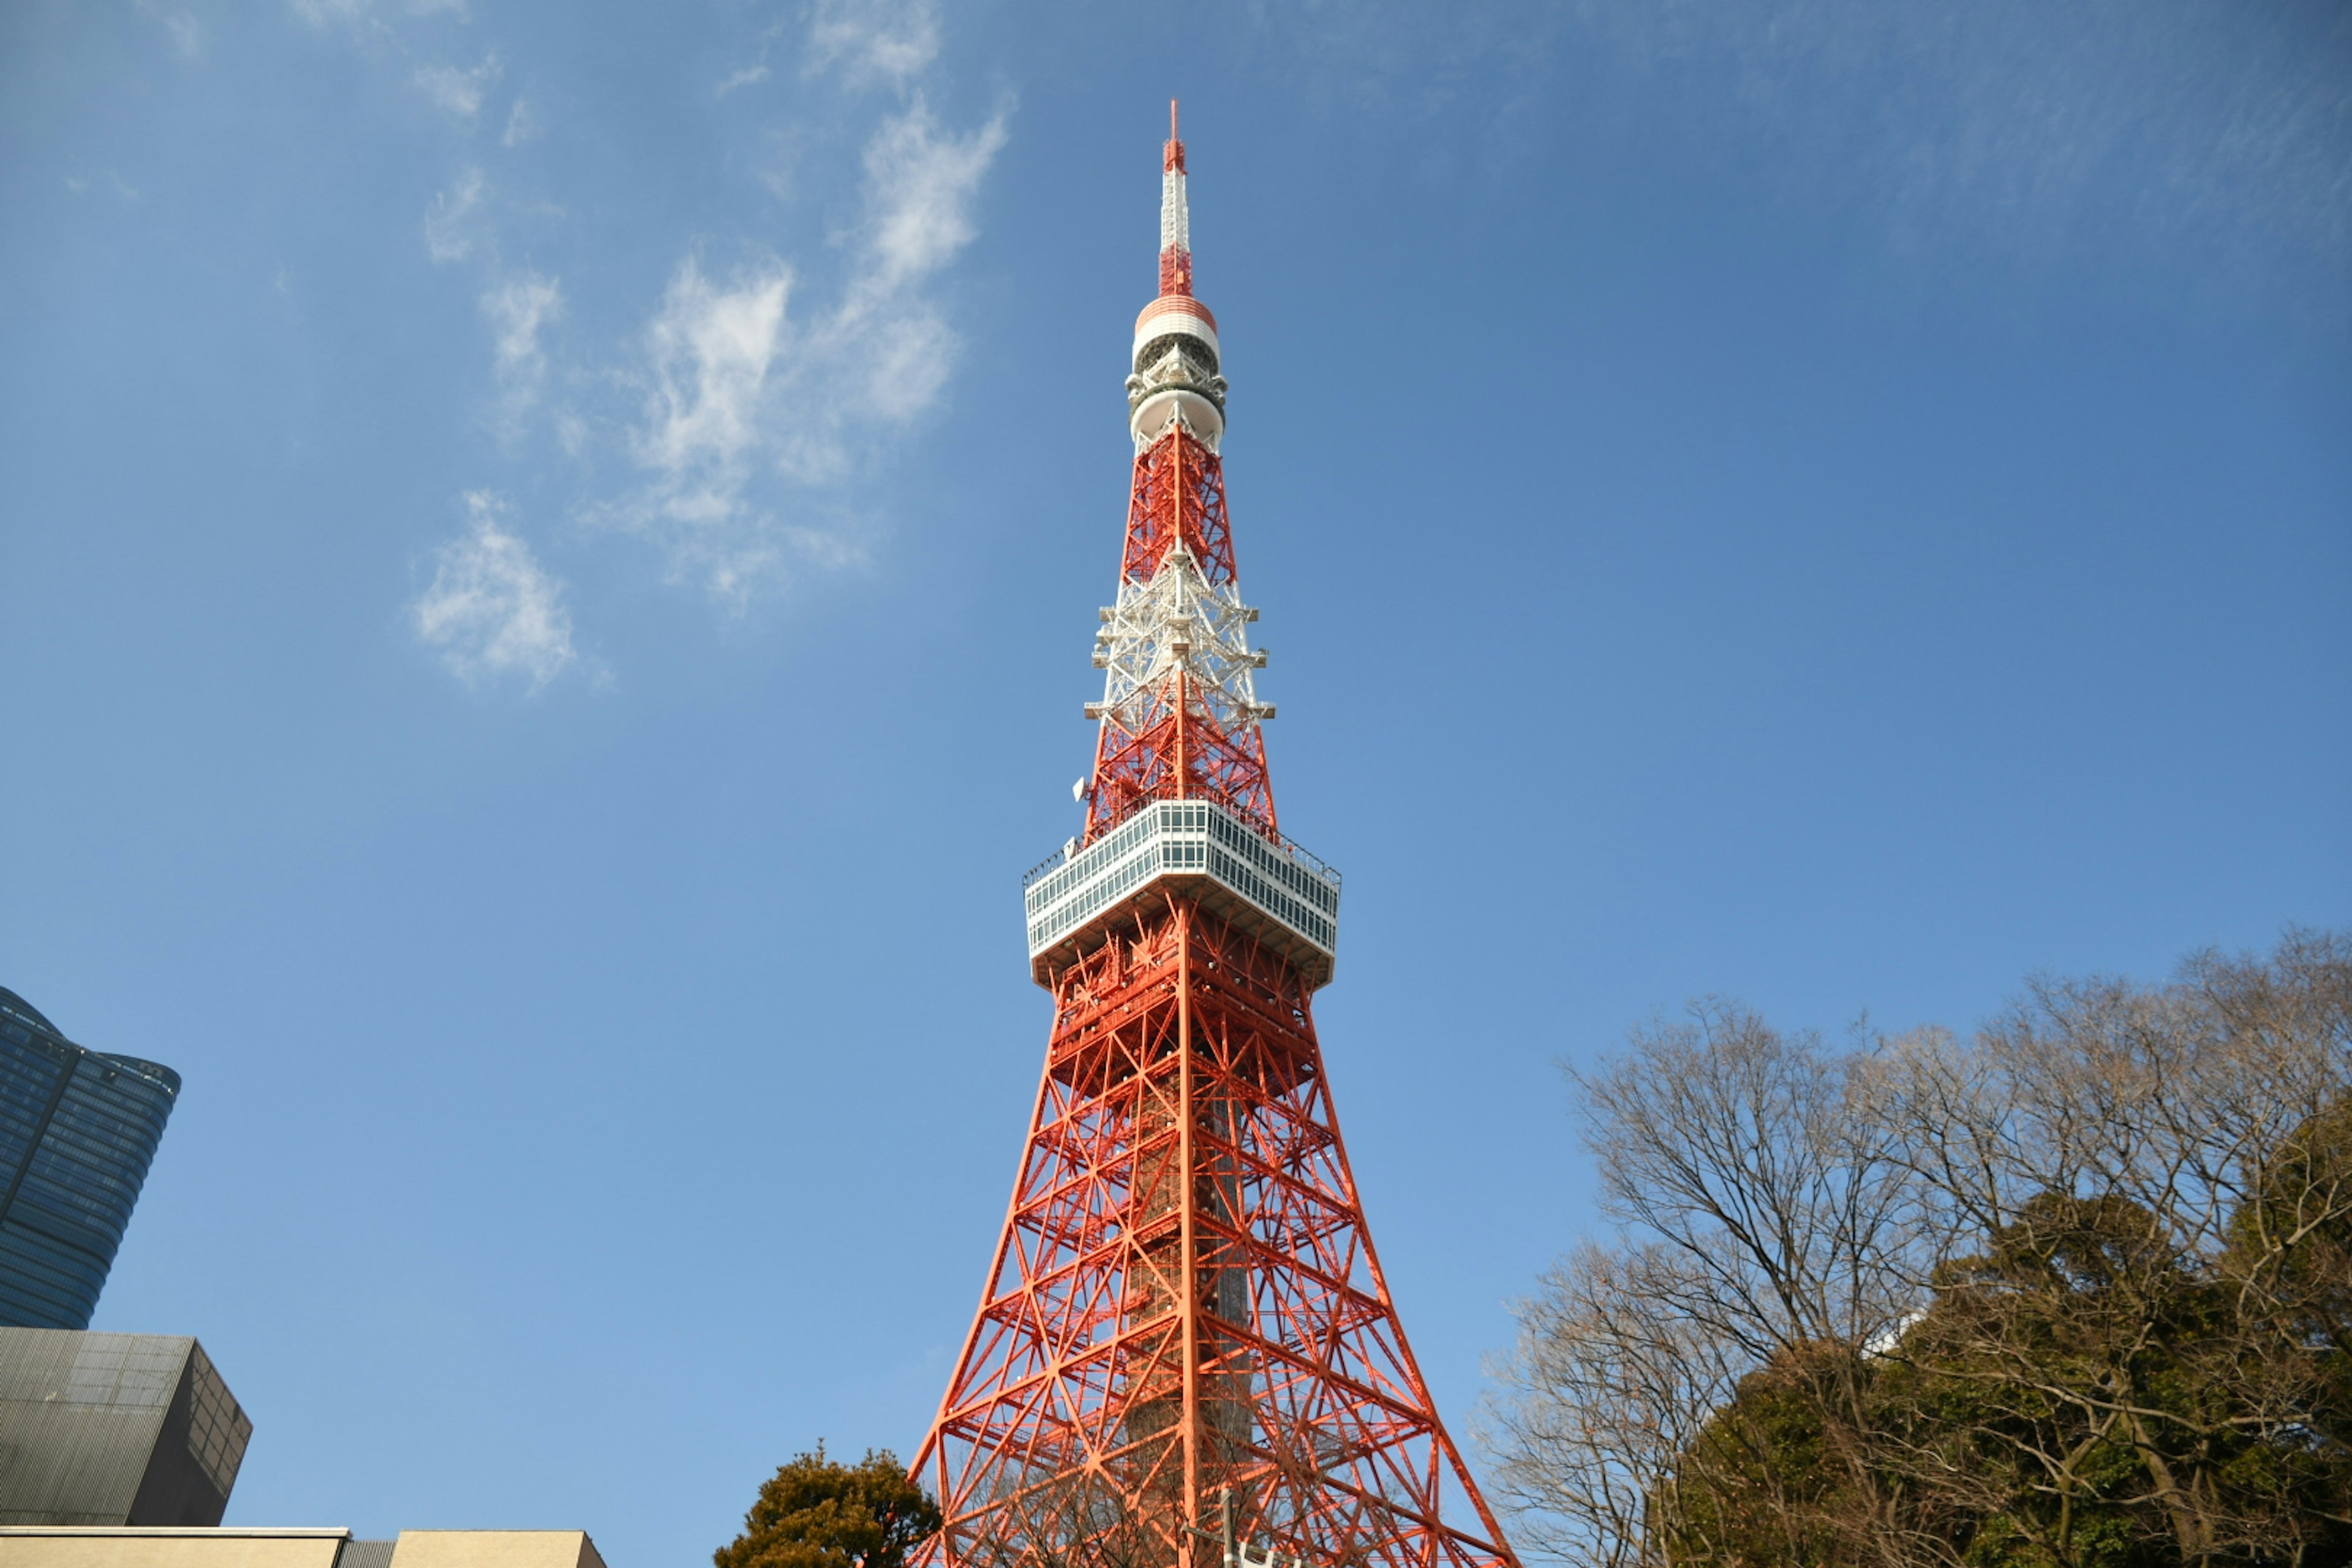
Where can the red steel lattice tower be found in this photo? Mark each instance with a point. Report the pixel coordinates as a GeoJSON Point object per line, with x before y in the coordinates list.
{"type": "Point", "coordinates": [1186, 1352]}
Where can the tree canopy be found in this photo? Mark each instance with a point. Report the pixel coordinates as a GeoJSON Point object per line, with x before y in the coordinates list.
{"type": "Point", "coordinates": [816, 1512]}
{"type": "Point", "coordinates": [2073, 1293]}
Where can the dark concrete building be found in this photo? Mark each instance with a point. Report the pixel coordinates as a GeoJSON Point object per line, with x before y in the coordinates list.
{"type": "Point", "coordinates": [114, 1429]}
{"type": "Point", "coordinates": [77, 1130]}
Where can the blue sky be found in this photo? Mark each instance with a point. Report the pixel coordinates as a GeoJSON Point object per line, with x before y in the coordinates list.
{"type": "Point", "coordinates": [550, 556]}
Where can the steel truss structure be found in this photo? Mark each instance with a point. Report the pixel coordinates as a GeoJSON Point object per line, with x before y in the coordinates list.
{"type": "Point", "coordinates": [1186, 1340]}
{"type": "Point", "coordinates": [1179, 710]}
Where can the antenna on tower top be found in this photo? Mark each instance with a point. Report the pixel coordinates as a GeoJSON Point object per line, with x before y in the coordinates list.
{"type": "Point", "coordinates": [1175, 222]}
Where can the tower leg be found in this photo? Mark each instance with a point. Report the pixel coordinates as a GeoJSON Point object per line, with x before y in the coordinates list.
{"type": "Point", "coordinates": [1187, 1331]}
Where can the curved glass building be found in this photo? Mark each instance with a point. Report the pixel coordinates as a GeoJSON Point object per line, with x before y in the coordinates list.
{"type": "Point", "coordinates": [78, 1129]}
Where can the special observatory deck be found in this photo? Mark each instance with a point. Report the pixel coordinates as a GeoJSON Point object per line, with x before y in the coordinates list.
{"type": "Point", "coordinates": [1288, 898]}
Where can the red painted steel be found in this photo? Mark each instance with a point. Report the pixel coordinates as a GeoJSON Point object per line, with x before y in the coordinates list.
{"type": "Point", "coordinates": [1171, 745]}
{"type": "Point", "coordinates": [1185, 1323]}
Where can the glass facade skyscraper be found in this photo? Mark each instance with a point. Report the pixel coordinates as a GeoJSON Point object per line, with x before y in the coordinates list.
{"type": "Point", "coordinates": [78, 1129]}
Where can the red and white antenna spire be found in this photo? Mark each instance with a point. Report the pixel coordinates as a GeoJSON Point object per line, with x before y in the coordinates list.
{"type": "Point", "coordinates": [1175, 222]}
{"type": "Point", "coordinates": [1161, 389]}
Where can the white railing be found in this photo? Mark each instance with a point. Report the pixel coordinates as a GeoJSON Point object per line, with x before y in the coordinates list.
{"type": "Point", "coordinates": [1197, 842]}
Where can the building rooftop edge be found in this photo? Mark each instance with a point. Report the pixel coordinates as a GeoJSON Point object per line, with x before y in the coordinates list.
{"type": "Point", "coordinates": [208, 1532]}
{"type": "Point", "coordinates": [12, 1003]}
{"type": "Point", "coordinates": [168, 1076]}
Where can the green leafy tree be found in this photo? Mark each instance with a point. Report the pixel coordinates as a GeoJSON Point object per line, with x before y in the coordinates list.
{"type": "Point", "coordinates": [2051, 1407]}
{"type": "Point", "coordinates": [2082, 1394]}
{"type": "Point", "coordinates": [816, 1512]}
{"type": "Point", "coordinates": [1769, 1479]}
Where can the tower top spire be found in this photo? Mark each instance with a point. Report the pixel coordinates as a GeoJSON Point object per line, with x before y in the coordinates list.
{"type": "Point", "coordinates": [1175, 352]}
{"type": "Point", "coordinates": [1175, 219]}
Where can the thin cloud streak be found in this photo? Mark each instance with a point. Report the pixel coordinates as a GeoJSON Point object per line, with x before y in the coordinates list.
{"type": "Point", "coordinates": [920, 186]}
{"type": "Point", "coordinates": [449, 221]}
{"type": "Point", "coordinates": [740, 395]}
{"type": "Point", "coordinates": [869, 40]}
{"type": "Point", "coordinates": [2211, 133]}
{"type": "Point", "coordinates": [187, 33]}
{"type": "Point", "coordinates": [731, 430]}
{"type": "Point", "coordinates": [492, 611]}
{"type": "Point", "coordinates": [522, 125]}
{"type": "Point", "coordinates": [459, 91]}
{"type": "Point", "coordinates": [369, 12]}
{"type": "Point", "coordinates": [2019, 123]}
{"type": "Point", "coordinates": [750, 75]}
{"type": "Point", "coordinates": [518, 310]}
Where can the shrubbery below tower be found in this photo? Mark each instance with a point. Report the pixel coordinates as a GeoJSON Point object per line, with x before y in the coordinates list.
{"type": "Point", "coordinates": [1185, 1340]}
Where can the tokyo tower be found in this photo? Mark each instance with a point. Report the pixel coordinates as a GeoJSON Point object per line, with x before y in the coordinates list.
{"type": "Point", "coordinates": [1186, 1355]}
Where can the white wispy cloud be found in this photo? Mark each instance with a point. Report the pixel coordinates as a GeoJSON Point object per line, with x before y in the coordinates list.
{"type": "Point", "coordinates": [518, 308]}
{"type": "Point", "coordinates": [758, 386]}
{"type": "Point", "coordinates": [741, 396]}
{"type": "Point", "coordinates": [866, 40]}
{"type": "Point", "coordinates": [352, 13]}
{"type": "Point", "coordinates": [522, 124]}
{"type": "Point", "coordinates": [757, 72]}
{"type": "Point", "coordinates": [887, 341]}
{"type": "Point", "coordinates": [920, 185]}
{"type": "Point", "coordinates": [713, 349]}
{"type": "Point", "coordinates": [712, 412]}
{"type": "Point", "coordinates": [320, 12]}
{"type": "Point", "coordinates": [748, 76]}
{"type": "Point", "coordinates": [492, 611]}
{"type": "Point", "coordinates": [185, 31]}
{"type": "Point", "coordinates": [450, 222]}
{"type": "Point", "coordinates": [2011, 128]}
{"type": "Point", "coordinates": [460, 91]}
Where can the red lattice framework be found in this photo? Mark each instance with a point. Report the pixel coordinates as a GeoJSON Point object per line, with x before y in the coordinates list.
{"type": "Point", "coordinates": [1184, 1131]}
{"type": "Point", "coordinates": [1170, 745]}
{"type": "Point", "coordinates": [1185, 1323]}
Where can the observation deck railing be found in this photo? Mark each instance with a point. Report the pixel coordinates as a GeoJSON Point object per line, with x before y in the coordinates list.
{"type": "Point", "coordinates": [1282, 894]}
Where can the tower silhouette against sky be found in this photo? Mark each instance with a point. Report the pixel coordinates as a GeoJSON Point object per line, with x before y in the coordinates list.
{"type": "Point", "coordinates": [1186, 1344]}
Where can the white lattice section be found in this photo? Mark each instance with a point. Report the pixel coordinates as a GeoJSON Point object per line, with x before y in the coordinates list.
{"type": "Point", "coordinates": [1179, 617]}
{"type": "Point", "coordinates": [1175, 217]}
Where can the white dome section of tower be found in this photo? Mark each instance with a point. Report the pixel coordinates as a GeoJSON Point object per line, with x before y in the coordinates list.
{"type": "Point", "coordinates": [1175, 361]}
{"type": "Point", "coordinates": [1175, 314]}
{"type": "Point", "coordinates": [1152, 418]}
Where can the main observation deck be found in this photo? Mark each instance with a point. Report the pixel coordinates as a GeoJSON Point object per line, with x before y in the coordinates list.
{"type": "Point", "coordinates": [1270, 887]}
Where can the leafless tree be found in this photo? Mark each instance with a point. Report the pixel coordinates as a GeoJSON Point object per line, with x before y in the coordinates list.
{"type": "Point", "coordinates": [1864, 1305]}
